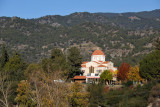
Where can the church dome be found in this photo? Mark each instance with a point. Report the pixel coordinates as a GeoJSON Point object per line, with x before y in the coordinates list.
{"type": "Point", "coordinates": [97, 52]}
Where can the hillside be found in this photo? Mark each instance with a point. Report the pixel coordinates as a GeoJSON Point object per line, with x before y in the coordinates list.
{"type": "Point", "coordinates": [123, 37]}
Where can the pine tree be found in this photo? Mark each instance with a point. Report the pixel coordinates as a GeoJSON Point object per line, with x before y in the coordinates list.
{"type": "Point", "coordinates": [74, 62]}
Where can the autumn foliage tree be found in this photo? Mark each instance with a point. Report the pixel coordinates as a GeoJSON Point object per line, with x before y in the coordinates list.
{"type": "Point", "coordinates": [25, 95]}
{"type": "Point", "coordinates": [122, 71]}
{"type": "Point", "coordinates": [133, 74]}
{"type": "Point", "coordinates": [77, 97]}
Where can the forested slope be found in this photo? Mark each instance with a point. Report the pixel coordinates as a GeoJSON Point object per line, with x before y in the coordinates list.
{"type": "Point", "coordinates": [123, 37]}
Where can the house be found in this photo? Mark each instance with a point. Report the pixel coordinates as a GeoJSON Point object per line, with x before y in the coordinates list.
{"type": "Point", "coordinates": [93, 69]}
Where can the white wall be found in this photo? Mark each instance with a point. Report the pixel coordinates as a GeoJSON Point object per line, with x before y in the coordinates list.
{"type": "Point", "coordinates": [98, 58]}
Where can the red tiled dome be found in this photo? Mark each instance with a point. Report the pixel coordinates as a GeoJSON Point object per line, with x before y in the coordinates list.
{"type": "Point", "coordinates": [97, 52]}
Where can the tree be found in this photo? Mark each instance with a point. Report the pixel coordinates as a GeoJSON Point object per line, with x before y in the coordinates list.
{"type": "Point", "coordinates": [25, 95]}
{"type": "Point", "coordinates": [106, 76]}
{"type": "Point", "coordinates": [133, 74]}
{"type": "Point", "coordinates": [32, 70]}
{"type": "Point", "coordinates": [74, 62]}
{"type": "Point", "coordinates": [35, 76]}
{"type": "Point", "coordinates": [122, 71]}
{"type": "Point", "coordinates": [149, 66]}
{"type": "Point", "coordinates": [58, 60]}
{"type": "Point", "coordinates": [78, 98]}
{"type": "Point", "coordinates": [15, 68]}
{"type": "Point", "coordinates": [4, 58]}
{"type": "Point", "coordinates": [47, 65]}
{"type": "Point", "coordinates": [56, 53]}
{"type": "Point", "coordinates": [97, 95]}
{"type": "Point", "coordinates": [49, 88]}
{"type": "Point", "coordinates": [5, 89]}
{"type": "Point", "coordinates": [56, 89]}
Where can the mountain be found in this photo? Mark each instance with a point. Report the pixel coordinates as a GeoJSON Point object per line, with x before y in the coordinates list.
{"type": "Point", "coordinates": [128, 20]}
{"type": "Point", "coordinates": [124, 37]}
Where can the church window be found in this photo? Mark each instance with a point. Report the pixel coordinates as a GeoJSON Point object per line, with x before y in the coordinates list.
{"type": "Point", "coordinates": [91, 69]}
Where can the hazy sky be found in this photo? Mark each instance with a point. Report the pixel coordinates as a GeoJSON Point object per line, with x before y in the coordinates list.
{"type": "Point", "coordinates": [38, 8]}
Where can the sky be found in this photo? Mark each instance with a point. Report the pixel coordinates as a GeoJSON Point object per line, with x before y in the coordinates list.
{"type": "Point", "coordinates": [38, 8]}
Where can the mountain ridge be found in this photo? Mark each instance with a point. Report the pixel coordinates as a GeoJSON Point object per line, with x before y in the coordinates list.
{"type": "Point", "coordinates": [121, 38]}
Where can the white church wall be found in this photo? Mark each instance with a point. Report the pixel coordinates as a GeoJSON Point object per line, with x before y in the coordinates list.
{"type": "Point", "coordinates": [98, 58]}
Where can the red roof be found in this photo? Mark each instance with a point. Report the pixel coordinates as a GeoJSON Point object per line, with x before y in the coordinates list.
{"type": "Point", "coordinates": [92, 77]}
{"type": "Point", "coordinates": [96, 62]}
{"type": "Point", "coordinates": [97, 52]}
{"type": "Point", "coordinates": [105, 62]}
{"type": "Point", "coordinates": [111, 70]}
{"type": "Point", "coordinates": [101, 66]}
{"type": "Point", "coordinates": [100, 61]}
{"type": "Point", "coordinates": [84, 62]}
{"type": "Point", "coordinates": [83, 65]}
{"type": "Point", "coordinates": [79, 77]}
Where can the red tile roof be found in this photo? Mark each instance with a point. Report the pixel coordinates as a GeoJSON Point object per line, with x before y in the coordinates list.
{"type": "Point", "coordinates": [101, 66]}
{"type": "Point", "coordinates": [111, 70]}
{"type": "Point", "coordinates": [92, 77]}
{"type": "Point", "coordinates": [83, 65]}
{"type": "Point", "coordinates": [79, 77]}
{"type": "Point", "coordinates": [97, 52]}
{"type": "Point", "coordinates": [100, 61]}
{"type": "Point", "coordinates": [84, 62]}
{"type": "Point", "coordinates": [96, 62]}
{"type": "Point", "coordinates": [105, 62]}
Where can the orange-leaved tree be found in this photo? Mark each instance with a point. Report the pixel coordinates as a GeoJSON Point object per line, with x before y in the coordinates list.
{"type": "Point", "coordinates": [122, 71]}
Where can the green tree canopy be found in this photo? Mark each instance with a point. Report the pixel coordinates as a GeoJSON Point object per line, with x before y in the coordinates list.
{"type": "Point", "coordinates": [15, 68]}
{"type": "Point", "coordinates": [74, 61]}
{"type": "Point", "coordinates": [4, 58]}
{"type": "Point", "coordinates": [150, 66]}
{"type": "Point", "coordinates": [47, 65]}
{"type": "Point", "coordinates": [106, 76]}
{"type": "Point", "coordinates": [56, 53]}
{"type": "Point", "coordinates": [59, 59]}
{"type": "Point", "coordinates": [97, 95]}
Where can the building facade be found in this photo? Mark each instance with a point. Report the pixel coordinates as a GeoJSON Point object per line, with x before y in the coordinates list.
{"type": "Point", "coordinates": [93, 69]}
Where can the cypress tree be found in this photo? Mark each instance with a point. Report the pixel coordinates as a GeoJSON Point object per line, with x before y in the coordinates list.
{"type": "Point", "coordinates": [4, 58]}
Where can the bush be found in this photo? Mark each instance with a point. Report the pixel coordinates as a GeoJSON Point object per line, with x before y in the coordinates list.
{"type": "Point", "coordinates": [128, 83]}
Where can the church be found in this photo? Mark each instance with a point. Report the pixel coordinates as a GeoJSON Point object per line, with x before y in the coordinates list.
{"type": "Point", "coordinates": [93, 69]}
